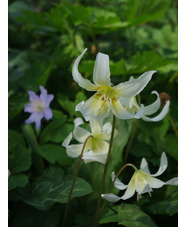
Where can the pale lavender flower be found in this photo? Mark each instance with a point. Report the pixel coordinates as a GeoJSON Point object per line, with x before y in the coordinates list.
{"type": "Point", "coordinates": [39, 107]}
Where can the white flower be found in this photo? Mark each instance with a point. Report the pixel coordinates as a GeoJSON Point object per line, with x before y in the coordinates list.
{"type": "Point", "coordinates": [107, 97]}
{"type": "Point", "coordinates": [141, 182]}
{"type": "Point", "coordinates": [132, 106]}
{"type": "Point", "coordinates": [96, 148]}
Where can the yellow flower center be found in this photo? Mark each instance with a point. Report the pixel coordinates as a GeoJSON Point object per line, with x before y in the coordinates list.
{"type": "Point", "coordinates": [93, 144]}
{"type": "Point", "coordinates": [37, 106]}
{"type": "Point", "coordinates": [105, 97]}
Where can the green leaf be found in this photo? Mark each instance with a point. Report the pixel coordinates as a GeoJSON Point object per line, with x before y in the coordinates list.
{"type": "Point", "coordinates": [54, 154]}
{"type": "Point", "coordinates": [170, 145]}
{"type": "Point", "coordinates": [19, 158]}
{"type": "Point", "coordinates": [16, 104]}
{"type": "Point", "coordinates": [44, 77]}
{"type": "Point", "coordinates": [52, 188]}
{"type": "Point", "coordinates": [138, 12]}
{"type": "Point", "coordinates": [169, 206]}
{"type": "Point", "coordinates": [148, 60]}
{"type": "Point", "coordinates": [52, 132]}
{"type": "Point", "coordinates": [15, 138]}
{"type": "Point", "coordinates": [17, 180]}
{"type": "Point", "coordinates": [109, 215]}
{"type": "Point", "coordinates": [132, 216]}
{"type": "Point", "coordinates": [68, 105]}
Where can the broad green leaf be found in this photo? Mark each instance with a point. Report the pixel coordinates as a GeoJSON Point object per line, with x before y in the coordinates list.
{"type": "Point", "coordinates": [19, 158]}
{"type": "Point", "coordinates": [132, 216]}
{"type": "Point", "coordinates": [17, 180]}
{"type": "Point", "coordinates": [68, 105]}
{"type": "Point", "coordinates": [109, 215]}
{"type": "Point", "coordinates": [169, 206]}
{"type": "Point", "coordinates": [15, 138]}
{"type": "Point", "coordinates": [52, 188]}
{"type": "Point", "coordinates": [138, 12]}
{"type": "Point", "coordinates": [16, 104]}
{"type": "Point", "coordinates": [170, 145]}
{"type": "Point", "coordinates": [54, 154]}
{"type": "Point", "coordinates": [43, 79]}
{"type": "Point", "coordinates": [148, 60]}
{"type": "Point", "coordinates": [53, 130]}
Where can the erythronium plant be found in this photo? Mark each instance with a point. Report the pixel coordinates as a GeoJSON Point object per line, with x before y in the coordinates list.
{"type": "Point", "coordinates": [96, 148]}
{"type": "Point", "coordinates": [39, 107]}
{"type": "Point", "coordinates": [108, 97]}
{"type": "Point", "coordinates": [142, 181]}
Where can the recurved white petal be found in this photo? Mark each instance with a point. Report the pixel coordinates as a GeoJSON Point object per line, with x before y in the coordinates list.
{"type": "Point", "coordinates": [90, 156]}
{"type": "Point", "coordinates": [163, 165]}
{"type": "Point", "coordinates": [173, 181]}
{"type": "Point", "coordinates": [154, 182]}
{"type": "Point", "coordinates": [118, 184]}
{"type": "Point", "coordinates": [160, 116]}
{"type": "Point", "coordinates": [144, 166]}
{"type": "Point", "coordinates": [107, 128]}
{"type": "Point", "coordinates": [80, 134]}
{"type": "Point", "coordinates": [101, 73]}
{"type": "Point", "coordinates": [120, 112]}
{"type": "Point", "coordinates": [84, 83]}
{"type": "Point", "coordinates": [67, 140]}
{"type": "Point", "coordinates": [150, 109]}
{"type": "Point", "coordinates": [130, 189]}
{"type": "Point", "coordinates": [110, 197]}
{"type": "Point", "coordinates": [95, 126]}
{"type": "Point", "coordinates": [134, 86]}
{"type": "Point", "coordinates": [74, 150]}
{"type": "Point", "coordinates": [78, 121]}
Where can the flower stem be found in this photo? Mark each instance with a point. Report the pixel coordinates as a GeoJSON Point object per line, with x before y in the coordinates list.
{"type": "Point", "coordinates": [104, 173]}
{"type": "Point", "coordinates": [130, 141]}
{"type": "Point", "coordinates": [74, 181]}
{"type": "Point", "coordinates": [117, 175]}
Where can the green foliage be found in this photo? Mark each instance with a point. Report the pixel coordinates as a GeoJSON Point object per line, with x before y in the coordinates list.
{"type": "Point", "coordinates": [128, 215]}
{"type": "Point", "coordinates": [45, 37]}
{"type": "Point", "coordinates": [52, 187]}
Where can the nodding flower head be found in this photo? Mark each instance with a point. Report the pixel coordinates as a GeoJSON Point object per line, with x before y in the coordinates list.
{"type": "Point", "coordinates": [141, 182]}
{"type": "Point", "coordinates": [107, 97]}
{"type": "Point", "coordinates": [96, 147]}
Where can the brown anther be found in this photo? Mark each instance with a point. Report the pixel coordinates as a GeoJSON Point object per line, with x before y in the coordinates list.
{"type": "Point", "coordinates": [164, 97]}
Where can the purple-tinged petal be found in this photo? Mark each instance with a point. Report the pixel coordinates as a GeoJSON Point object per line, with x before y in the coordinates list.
{"type": "Point", "coordinates": [43, 90]}
{"type": "Point", "coordinates": [32, 96]}
{"type": "Point", "coordinates": [28, 108]}
{"type": "Point", "coordinates": [35, 117]}
{"type": "Point", "coordinates": [48, 113]}
{"type": "Point", "coordinates": [46, 99]}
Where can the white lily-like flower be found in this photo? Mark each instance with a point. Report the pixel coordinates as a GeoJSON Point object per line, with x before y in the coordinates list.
{"type": "Point", "coordinates": [142, 181]}
{"type": "Point", "coordinates": [107, 97]}
{"type": "Point", "coordinates": [96, 148]}
{"type": "Point", "coordinates": [132, 106]}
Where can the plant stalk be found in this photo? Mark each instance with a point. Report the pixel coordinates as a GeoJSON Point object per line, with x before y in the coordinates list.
{"type": "Point", "coordinates": [104, 173]}
{"type": "Point", "coordinates": [74, 181]}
